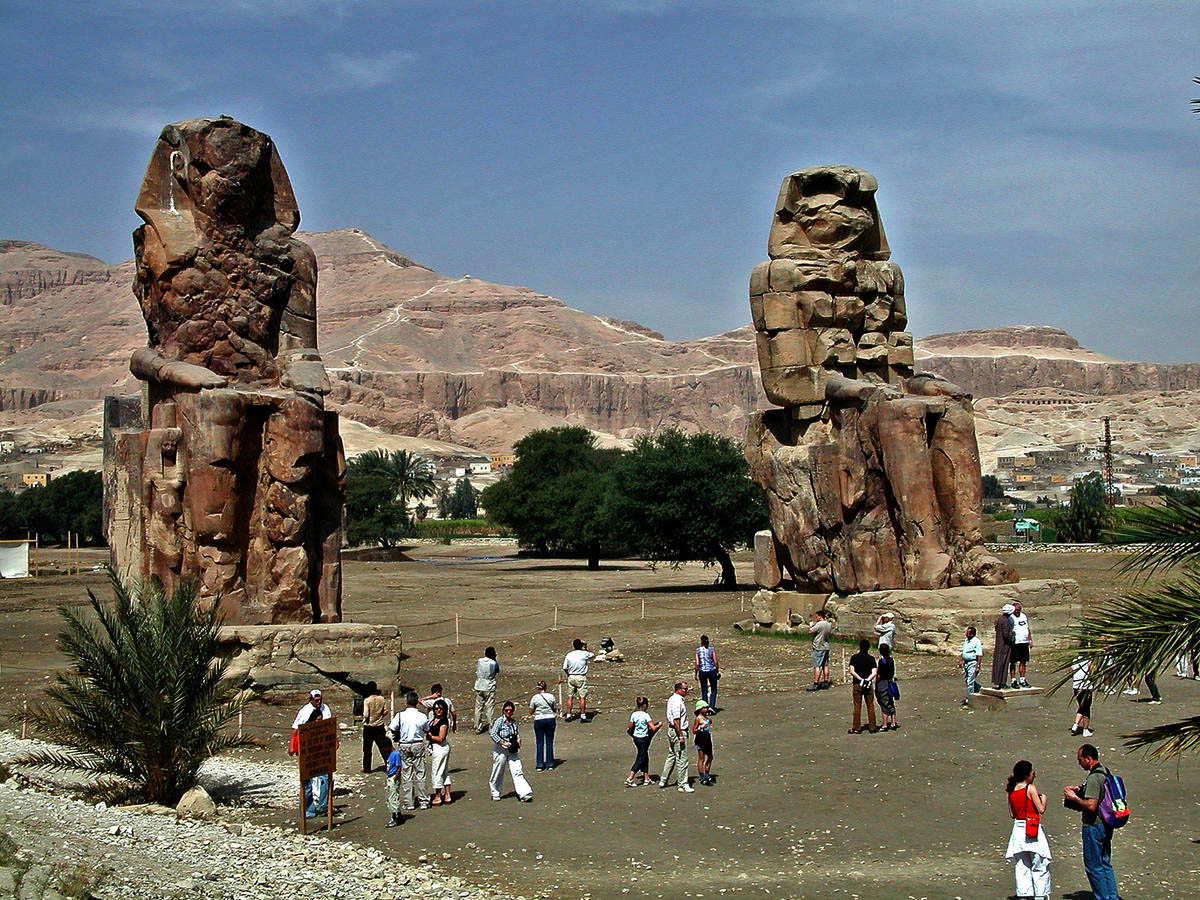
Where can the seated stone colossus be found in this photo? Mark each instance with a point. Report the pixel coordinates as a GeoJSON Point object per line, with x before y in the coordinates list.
{"type": "Point", "coordinates": [232, 475]}
{"type": "Point", "coordinates": [871, 470]}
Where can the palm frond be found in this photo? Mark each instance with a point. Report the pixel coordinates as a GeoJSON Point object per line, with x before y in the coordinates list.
{"type": "Point", "coordinates": [1138, 632]}
{"type": "Point", "coordinates": [1171, 534]}
{"type": "Point", "coordinates": [1167, 741]}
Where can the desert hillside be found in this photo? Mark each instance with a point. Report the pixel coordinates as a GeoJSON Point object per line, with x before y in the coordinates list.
{"type": "Point", "coordinates": [460, 360]}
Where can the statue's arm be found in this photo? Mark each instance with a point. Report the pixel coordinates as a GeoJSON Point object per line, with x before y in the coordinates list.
{"type": "Point", "coordinates": [839, 387]}
{"type": "Point", "coordinates": [926, 384]}
{"type": "Point", "coordinates": [148, 365]}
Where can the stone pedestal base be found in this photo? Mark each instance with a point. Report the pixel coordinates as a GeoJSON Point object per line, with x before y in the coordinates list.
{"type": "Point", "coordinates": [926, 621]}
{"type": "Point", "coordinates": [1000, 699]}
{"type": "Point", "coordinates": [301, 657]}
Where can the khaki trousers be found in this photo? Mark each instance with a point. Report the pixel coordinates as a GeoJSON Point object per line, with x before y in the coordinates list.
{"type": "Point", "coordinates": [485, 710]}
{"type": "Point", "coordinates": [860, 694]}
{"type": "Point", "coordinates": [676, 763]}
{"type": "Point", "coordinates": [414, 778]}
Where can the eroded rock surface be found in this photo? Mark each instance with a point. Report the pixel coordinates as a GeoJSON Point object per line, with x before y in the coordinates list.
{"type": "Point", "coordinates": [871, 470]}
{"type": "Point", "coordinates": [231, 473]}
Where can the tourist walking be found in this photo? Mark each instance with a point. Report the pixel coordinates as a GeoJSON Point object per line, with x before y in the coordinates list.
{"type": "Point", "coordinates": [820, 628]}
{"type": "Point", "coordinates": [708, 671]}
{"type": "Point", "coordinates": [408, 728]}
{"type": "Point", "coordinates": [395, 765]}
{"type": "Point", "coordinates": [311, 711]}
{"type": "Point", "coordinates": [887, 690]}
{"type": "Point", "coordinates": [1022, 644]}
{"type": "Point", "coordinates": [641, 728]}
{"type": "Point", "coordinates": [1095, 835]}
{"type": "Point", "coordinates": [374, 728]}
{"type": "Point", "coordinates": [543, 707]}
{"type": "Point", "coordinates": [969, 661]}
{"type": "Point", "coordinates": [1004, 644]}
{"type": "Point", "coordinates": [676, 762]}
{"type": "Point", "coordinates": [486, 670]}
{"type": "Point", "coordinates": [1081, 688]}
{"type": "Point", "coordinates": [861, 670]}
{"type": "Point", "coordinates": [575, 671]}
{"type": "Point", "coordinates": [702, 738]}
{"type": "Point", "coordinates": [885, 627]}
{"type": "Point", "coordinates": [439, 752]}
{"type": "Point", "coordinates": [435, 694]}
{"type": "Point", "coordinates": [1028, 848]}
{"type": "Point", "coordinates": [506, 743]}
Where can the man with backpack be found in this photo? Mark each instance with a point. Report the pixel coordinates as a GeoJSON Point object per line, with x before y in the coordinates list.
{"type": "Point", "coordinates": [1089, 798]}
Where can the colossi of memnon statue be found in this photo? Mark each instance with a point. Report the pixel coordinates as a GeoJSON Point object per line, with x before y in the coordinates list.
{"type": "Point", "coordinates": [231, 473]}
{"type": "Point", "coordinates": [871, 470]}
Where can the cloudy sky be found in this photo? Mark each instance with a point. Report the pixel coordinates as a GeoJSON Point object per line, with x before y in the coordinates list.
{"type": "Point", "coordinates": [1037, 161]}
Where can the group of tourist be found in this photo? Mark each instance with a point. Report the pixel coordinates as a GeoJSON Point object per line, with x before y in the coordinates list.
{"type": "Point", "coordinates": [419, 736]}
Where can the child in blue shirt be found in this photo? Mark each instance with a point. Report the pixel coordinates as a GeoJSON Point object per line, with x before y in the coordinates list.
{"type": "Point", "coordinates": [394, 765]}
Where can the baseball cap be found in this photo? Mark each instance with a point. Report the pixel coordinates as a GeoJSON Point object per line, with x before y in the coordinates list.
{"type": "Point", "coordinates": [1008, 608]}
{"type": "Point", "coordinates": [314, 694]}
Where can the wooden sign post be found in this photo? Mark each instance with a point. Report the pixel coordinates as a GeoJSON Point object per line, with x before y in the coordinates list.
{"type": "Point", "coordinates": [317, 756]}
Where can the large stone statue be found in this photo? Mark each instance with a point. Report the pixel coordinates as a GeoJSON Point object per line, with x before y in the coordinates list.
{"type": "Point", "coordinates": [232, 475]}
{"type": "Point", "coordinates": [871, 470]}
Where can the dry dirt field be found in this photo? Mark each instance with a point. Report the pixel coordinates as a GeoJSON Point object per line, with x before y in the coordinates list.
{"type": "Point", "coordinates": [800, 809]}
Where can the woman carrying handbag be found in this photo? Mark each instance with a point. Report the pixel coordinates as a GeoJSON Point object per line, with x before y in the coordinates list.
{"type": "Point", "coordinates": [1027, 845]}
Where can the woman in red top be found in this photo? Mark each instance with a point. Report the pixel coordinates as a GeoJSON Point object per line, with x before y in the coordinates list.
{"type": "Point", "coordinates": [1027, 845]}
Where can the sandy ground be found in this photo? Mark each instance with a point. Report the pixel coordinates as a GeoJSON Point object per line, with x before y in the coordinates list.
{"type": "Point", "coordinates": [800, 808]}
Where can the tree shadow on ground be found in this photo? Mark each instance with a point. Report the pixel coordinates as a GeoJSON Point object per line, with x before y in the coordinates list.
{"type": "Point", "coordinates": [691, 589]}
{"type": "Point", "coordinates": [571, 567]}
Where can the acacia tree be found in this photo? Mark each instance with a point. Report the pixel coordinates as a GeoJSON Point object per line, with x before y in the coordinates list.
{"type": "Point", "coordinates": [677, 497]}
{"type": "Point", "coordinates": [554, 495]}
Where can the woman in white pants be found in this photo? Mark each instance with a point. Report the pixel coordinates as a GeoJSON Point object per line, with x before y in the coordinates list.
{"type": "Point", "coordinates": [439, 751]}
{"type": "Point", "coordinates": [506, 742]}
{"type": "Point", "coordinates": [1031, 855]}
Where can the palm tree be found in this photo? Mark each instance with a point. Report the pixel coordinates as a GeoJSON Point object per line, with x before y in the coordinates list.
{"type": "Point", "coordinates": [1150, 625]}
{"type": "Point", "coordinates": [145, 701]}
{"type": "Point", "coordinates": [409, 476]}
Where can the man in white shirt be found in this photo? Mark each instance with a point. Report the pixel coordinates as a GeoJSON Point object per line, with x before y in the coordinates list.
{"type": "Point", "coordinates": [575, 669]}
{"type": "Point", "coordinates": [408, 729]}
{"type": "Point", "coordinates": [311, 711]}
{"type": "Point", "coordinates": [1022, 644]}
{"type": "Point", "coordinates": [885, 627]}
{"type": "Point", "coordinates": [677, 731]}
{"type": "Point", "coordinates": [486, 670]}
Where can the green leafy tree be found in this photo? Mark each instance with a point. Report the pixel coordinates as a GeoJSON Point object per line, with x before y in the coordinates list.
{"type": "Point", "coordinates": [145, 701]}
{"type": "Point", "coordinates": [409, 476]}
{"type": "Point", "coordinates": [463, 503]}
{"type": "Point", "coordinates": [1087, 514]}
{"type": "Point", "coordinates": [373, 515]}
{"type": "Point", "coordinates": [1147, 627]}
{"type": "Point", "coordinates": [678, 497]}
{"type": "Point", "coordinates": [554, 495]}
{"type": "Point", "coordinates": [71, 503]}
{"type": "Point", "coordinates": [991, 488]}
{"type": "Point", "coordinates": [443, 501]}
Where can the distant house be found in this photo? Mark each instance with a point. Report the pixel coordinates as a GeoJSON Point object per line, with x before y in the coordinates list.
{"type": "Point", "coordinates": [1024, 478]}
{"type": "Point", "coordinates": [481, 468]}
{"type": "Point", "coordinates": [503, 460]}
{"type": "Point", "coordinates": [32, 479]}
{"type": "Point", "coordinates": [8, 446]}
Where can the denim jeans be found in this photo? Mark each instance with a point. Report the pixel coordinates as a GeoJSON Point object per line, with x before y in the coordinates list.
{"type": "Point", "coordinates": [319, 808]}
{"type": "Point", "coordinates": [708, 687]}
{"type": "Point", "coordinates": [543, 735]}
{"type": "Point", "coordinates": [970, 674]}
{"type": "Point", "coordinates": [641, 762]}
{"type": "Point", "coordinates": [1097, 861]}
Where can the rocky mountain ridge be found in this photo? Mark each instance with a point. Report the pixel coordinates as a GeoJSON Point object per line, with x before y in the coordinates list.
{"type": "Point", "coordinates": [461, 360]}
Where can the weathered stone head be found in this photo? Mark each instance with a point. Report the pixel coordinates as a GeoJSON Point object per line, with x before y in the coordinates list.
{"type": "Point", "coordinates": [219, 276]}
{"type": "Point", "coordinates": [827, 209]}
